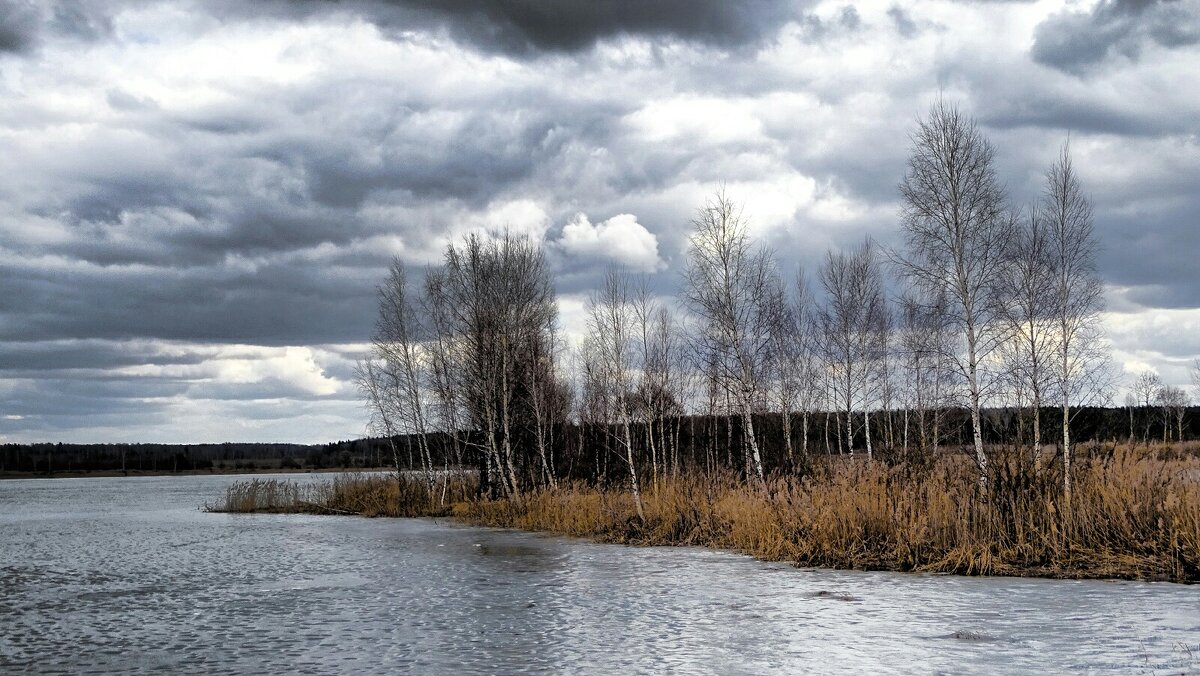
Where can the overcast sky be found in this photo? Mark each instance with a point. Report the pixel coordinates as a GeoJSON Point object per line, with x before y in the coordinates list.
{"type": "Point", "coordinates": [197, 198]}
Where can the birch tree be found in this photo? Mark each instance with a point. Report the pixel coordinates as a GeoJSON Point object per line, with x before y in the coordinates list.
{"type": "Point", "coordinates": [1145, 389]}
{"type": "Point", "coordinates": [611, 326]}
{"type": "Point", "coordinates": [373, 385]}
{"type": "Point", "coordinates": [956, 231]}
{"type": "Point", "coordinates": [499, 300]}
{"type": "Point", "coordinates": [804, 353]}
{"type": "Point", "coordinates": [1077, 297]}
{"type": "Point", "coordinates": [1173, 404]}
{"type": "Point", "coordinates": [728, 281]}
{"type": "Point", "coordinates": [792, 339]}
{"type": "Point", "coordinates": [397, 344]}
{"type": "Point", "coordinates": [924, 346]}
{"type": "Point", "coordinates": [1028, 286]}
{"type": "Point", "coordinates": [1196, 379]}
{"type": "Point", "coordinates": [852, 319]}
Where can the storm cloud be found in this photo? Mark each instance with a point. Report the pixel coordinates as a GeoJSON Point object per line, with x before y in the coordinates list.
{"type": "Point", "coordinates": [1081, 41]}
{"type": "Point", "coordinates": [197, 199]}
{"type": "Point", "coordinates": [520, 27]}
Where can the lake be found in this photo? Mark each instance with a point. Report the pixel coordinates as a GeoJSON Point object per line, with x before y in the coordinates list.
{"type": "Point", "coordinates": [128, 574]}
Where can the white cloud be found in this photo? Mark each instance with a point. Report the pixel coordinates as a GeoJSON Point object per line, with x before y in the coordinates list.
{"type": "Point", "coordinates": [285, 368]}
{"type": "Point", "coordinates": [620, 239]}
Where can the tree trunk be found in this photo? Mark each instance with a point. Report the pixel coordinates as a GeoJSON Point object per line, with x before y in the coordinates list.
{"type": "Point", "coordinates": [804, 431]}
{"type": "Point", "coordinates": [867, 434]}
{"type": "Point", "coordinates": [1066, 411]}
{"type": "Point", "coordinates": [748, 429]}
{"type": "Point", "coordinates": [787, 432]}
{"type": "Point", "coordinates": [1037, 427]}
{"type": "Point", "coordinates": [633, 477]}
{"type": "Point", "coordinates": [976, 420]}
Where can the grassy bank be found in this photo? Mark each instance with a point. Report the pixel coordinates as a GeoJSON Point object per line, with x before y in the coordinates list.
{"type": "Point", "coordinates": [1135, 514]}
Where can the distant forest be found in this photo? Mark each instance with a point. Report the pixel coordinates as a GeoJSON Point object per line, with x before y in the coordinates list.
{"type": "Point", "coordinates": [702, 441]}
{"type": "Point", "coordinates": [48, 458]}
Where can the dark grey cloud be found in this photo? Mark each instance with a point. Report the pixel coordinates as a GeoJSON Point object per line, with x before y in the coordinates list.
{"type": "Point", "coordinates": [1042, 107]}
{"type": "Point", "coordinates": [524, 27]}
{"type": "Point", "coordinates": [276, 304]}
{"type": "Point", "coordinates": [1077, 42]}
{"type": "Point", "coordinates": [25, 23]}
{"type": "Point", "coordinates": [19, 23]}
{"type": "Point", "coordinates": [513, 27]}
{"type": "Point", "coordinates": [26, 359]}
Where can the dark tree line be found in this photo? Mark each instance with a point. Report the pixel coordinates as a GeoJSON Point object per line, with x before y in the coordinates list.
{"type": "Point", "coordinates": [49, 458]}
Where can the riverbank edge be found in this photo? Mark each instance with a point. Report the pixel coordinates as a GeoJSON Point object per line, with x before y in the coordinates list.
{"type": "Point", "coordinates": [780, 523]}
{"type": "Point", "coordinates": [1042, 572]}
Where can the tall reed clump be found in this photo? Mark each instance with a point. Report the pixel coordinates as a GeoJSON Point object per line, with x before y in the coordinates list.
{"type": "Point", "coordinates": [1131, 516]}
{"type": "Point", "coordinates": [404, 495]}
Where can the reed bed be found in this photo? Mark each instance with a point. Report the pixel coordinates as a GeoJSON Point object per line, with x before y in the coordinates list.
{"type": "Point", "coordinates": [404, 495]}
{"type": "Point", "coordinates": [1134, 513]}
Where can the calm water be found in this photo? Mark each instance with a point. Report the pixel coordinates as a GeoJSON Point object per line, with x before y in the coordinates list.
{"type": "Point", "coordinates": [128, 574]}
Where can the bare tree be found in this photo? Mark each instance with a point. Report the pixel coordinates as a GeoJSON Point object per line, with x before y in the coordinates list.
{"type": "Point", "coordinates": [1173, 403]}
{"type": "Point", "coordinates": [662, 378]}
{"type": "Point", "coordinates": [655, 339]}
{"type": "Point", "coordinates": [1081, 365]}
{"type": "Point", "coordinates": [793, 351]}
{"type": "Point", "coordinates": [373, 384]}
{"type": "Point", "coordinates": [956, 235]}
{"type": "Point", "coordinates": [1131, 404]}
{"type": "Point", "coordinates": [783, 384]}
{"type": "Point", "coordinates": [728, 285]}
{"type": "Point", "coordinates": [499, 301]}
{"type": "Point", "coordinates": [852, 320]}
{"type": "Point", "coordinates": [611, 325]}
{"type": "Point", "coordinates": [1145, 389]}
{"type": "Point", "coordinates": [924, 346]}
{"type": "Point", "coordinates": [804, 352]}
{"type": "Point", "coordinates": [1196, 378]}
{"type": "Point", "coordinates": [445, 364]}
{"type": "Point", "coordinates": [397, 344]}
{"type": "Point", "coordinates": [541, 380]}
{"type": "Point", "coordinates": [1028, 287]}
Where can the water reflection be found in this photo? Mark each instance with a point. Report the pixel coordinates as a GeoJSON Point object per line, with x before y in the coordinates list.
{"type": "Point", "coordinates": [127, 574]}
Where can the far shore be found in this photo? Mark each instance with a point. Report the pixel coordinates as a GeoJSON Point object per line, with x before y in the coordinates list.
{"type": "Point", "coordinates": [228, 471]}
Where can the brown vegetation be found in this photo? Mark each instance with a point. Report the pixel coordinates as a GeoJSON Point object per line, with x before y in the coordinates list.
{"type": "Point", "coordinates": [359, 494]}
{"type": "Point", "coordinates": [1135, 513]}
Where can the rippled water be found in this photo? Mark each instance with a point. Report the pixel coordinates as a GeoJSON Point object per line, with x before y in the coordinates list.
{"type": "Point", "coordinates": [128, 574]}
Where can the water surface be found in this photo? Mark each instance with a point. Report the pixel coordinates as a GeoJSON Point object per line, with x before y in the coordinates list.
{"type": "Point", "coordinates": [121, 574]}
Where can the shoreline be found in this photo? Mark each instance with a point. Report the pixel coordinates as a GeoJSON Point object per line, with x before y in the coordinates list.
{"type": "Point", "coordinates": [1020, 573]}
{"type": "Point", "coordinates": [849, 518]}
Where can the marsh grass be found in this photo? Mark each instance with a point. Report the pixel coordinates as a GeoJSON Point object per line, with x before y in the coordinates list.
{"type": "Point", "coordinates": [1135, 513]}
{"type": "Point", "coordinates": [406, 495]}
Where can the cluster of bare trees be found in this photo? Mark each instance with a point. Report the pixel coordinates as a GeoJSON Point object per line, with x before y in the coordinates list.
{"type": "Point", "coordinates": [468, 363]}
{"type": "Point", "coordinates": [1152, 403]}
{"type": "Point", "coordinates": [985, 307]}
{"type": "Point", "coordinates": [1022, 291]}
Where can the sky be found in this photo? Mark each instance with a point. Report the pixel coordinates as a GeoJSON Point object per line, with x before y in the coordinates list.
{"type": "Point", "coordinates": [198, 198]}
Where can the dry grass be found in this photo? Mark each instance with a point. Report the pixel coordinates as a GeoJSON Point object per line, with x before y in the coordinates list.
{"type": "Point", "coordinates": [1134, 514]}
{"type": "Point", "coordinates": [1131, 516]}
{"type": "Point", "coordinates": [360, 494]}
